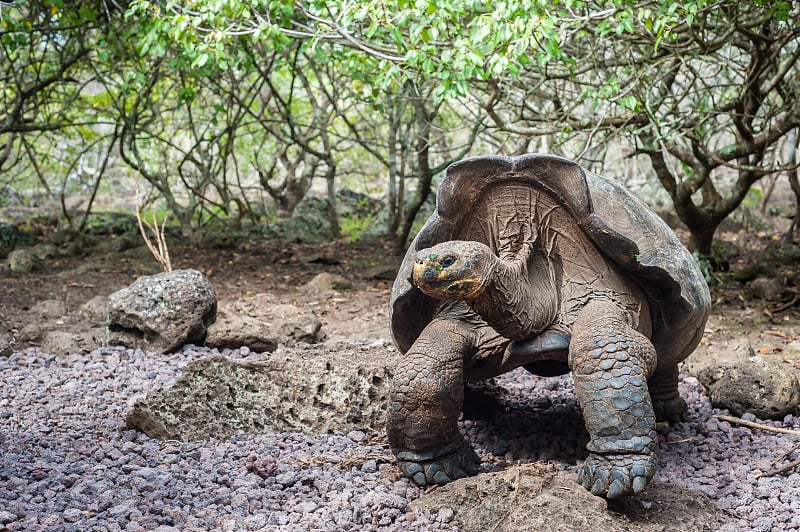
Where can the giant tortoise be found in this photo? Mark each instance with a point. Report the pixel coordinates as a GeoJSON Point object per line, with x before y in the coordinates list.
{"type": "Point", "coordinates": [534, 261]}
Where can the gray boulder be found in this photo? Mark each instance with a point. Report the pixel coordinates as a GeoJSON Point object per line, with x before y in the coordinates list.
{"type": "Point", "coordinates": [49, 309]}
{"type": "Point", "coordinates": [10, 237]}
{"type": "Point", "coordinates": [301, 329]}
{"type": "Point", "coordinates": [23, 260]}
{"type": "Point", "coordinates": [95, 310]}
{"type": "Point", "coordinates": [162, 312]}
{"type": "Point", "coordinates": [533, 497]}
{"type": "Point", "coordinates": [232, 332]}
{"type": "Point", "coordinates": [316, 389]}
{"type": "Point", "coordinates": [326, 284]}
{"type": "Point", "coordinates": [61, 343]}
{"type": "Point", "coordinates": [766, 288]}
{"type": "Point", "coordinates": [31, 333]}
{"type": "Point", "coordinates": [262, 323]}
{"type": "Point", "coordinates": [309, 222]}
{"type": "Point", "coordinates": [762, 386]}
{"type": "Point", "coordinates": [6, 344]}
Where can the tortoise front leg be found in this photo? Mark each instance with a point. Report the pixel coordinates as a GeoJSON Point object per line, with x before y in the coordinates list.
{"type": "Point", "coordinates": [426, 399]}
{"type": "Point", "coordinates": [610, 363]}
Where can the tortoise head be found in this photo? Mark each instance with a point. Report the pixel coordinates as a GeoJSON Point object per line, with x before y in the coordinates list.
{"type": "Point", "coordinates": [457, 269]}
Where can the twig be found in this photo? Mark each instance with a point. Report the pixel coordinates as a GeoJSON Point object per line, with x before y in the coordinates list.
{"type": "Point", "coordinates": [750, 424]}
{"type": "Point", "coordinates": [784, 306]}
{"type": "Point", "coordinates": [785, 455]}
{"type": "Point", "coordinates": [780, 470]}
{"type": "Point", "coordinates": [162, 253]}
{"type": "Point", "coordinates": [685, 440]}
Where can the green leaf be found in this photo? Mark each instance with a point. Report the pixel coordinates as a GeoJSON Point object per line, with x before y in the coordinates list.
{"type": "Point", "coordinates": [200, 60]}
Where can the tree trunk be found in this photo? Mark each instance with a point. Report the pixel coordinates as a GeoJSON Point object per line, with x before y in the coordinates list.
{"type": "Point", "coordinates": [333, 216]}
{"type": "Point", "coordinates": [423, 125]}
{"type": "Point", "coordinates": [793, 235]}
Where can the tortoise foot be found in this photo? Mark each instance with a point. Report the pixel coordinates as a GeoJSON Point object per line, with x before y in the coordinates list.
{"type": "Point", "coordinates": [440, 465]}
{"type": "Point", "coordinates": [614, 475]}
{"type": "Point", "coordinates": [671, 411]}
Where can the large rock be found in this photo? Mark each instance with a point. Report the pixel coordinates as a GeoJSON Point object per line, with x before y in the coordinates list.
{"type": "Point", "coordinates": [532, 497]}
{"type": "Point", "coordinates": [262, 323]}
{"type": "Point", "coordinates": [326, 284]}
{"type": "Point", "coordinates": [762, 386]}
{"type": "Point", "coordinates": [317, 389]}
{"type": "Point", "coordinates": [10, 237]}
{"type": "Point", "coordinates": [766, 288]}
{"type": "Point", "coordinates": [49, 309]}
{"type": "Point", "coordinates": [6, 344]}
{"type": "Point", "coordinates": [61, 343]}
{"type": "Point", "coordinates": [232, 332]}
{"type": "Point", "coordinates": [23, 260]}
{"type": "Point", "coordinates": [162, 312]}
{"type": "Point", "coordinates": [95, 310]}
{"type": "Point", "coordinates": [309, 222]}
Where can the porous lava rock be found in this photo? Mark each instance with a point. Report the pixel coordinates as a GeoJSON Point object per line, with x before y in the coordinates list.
{"type": "Point", "coordinates": [327, 284]}
{"type": "Point", "coordinates": [49, 309]}
{"type": "Point", "coordinates": [23, 260]}
{"type": "Point", "coordinates": [533, 497]}
{"type": "Point", "coordinates": [767, 388]}
{"type": "Point", "coordinates": [316, 389]}
{"type": "Point", "coordinates": [162, 312]}
{"type": "Point", "coordinates": [261, 323]}
{"type": "Point", "coordinates": [95, 310]}
{"type": "Point", "coordinates": [231, 332]}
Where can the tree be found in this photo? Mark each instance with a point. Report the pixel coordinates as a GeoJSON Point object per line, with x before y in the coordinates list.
{"type": "Point", "coordinates": [212, 94]}
{"type": "Point", "coordinates": [708, 99]}
{"type": "Point", "coordinates": [705, 89]}
{"type": "Point", "coordinates": [50, 131]}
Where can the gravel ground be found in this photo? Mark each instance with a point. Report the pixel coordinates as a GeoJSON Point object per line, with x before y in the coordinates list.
{"type": "Point", "coordinates": [68, 463]}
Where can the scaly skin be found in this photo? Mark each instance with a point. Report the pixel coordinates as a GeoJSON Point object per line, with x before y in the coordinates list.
{"type": "Point", "coordinates": [427, 398]}
{"type": "Point", "coordinates": [610, 364]}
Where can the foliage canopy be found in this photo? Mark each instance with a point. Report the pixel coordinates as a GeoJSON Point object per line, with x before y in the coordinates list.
{"type": "Point", "coordinates": [225, 99]}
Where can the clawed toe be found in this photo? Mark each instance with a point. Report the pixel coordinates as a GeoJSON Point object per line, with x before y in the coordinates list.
{"type": "Point", "coordinates": [439, 466]}
{"type": "Point", "coordinates": [612, 476]}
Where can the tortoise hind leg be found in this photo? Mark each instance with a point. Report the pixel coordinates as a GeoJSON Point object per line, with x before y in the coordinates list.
{"type": "Point", "coordinates": [667, 403]}
{"type": "Point", "coordinates": [426, 399]}
{"type": "Point", "coordinates": [610, 363]}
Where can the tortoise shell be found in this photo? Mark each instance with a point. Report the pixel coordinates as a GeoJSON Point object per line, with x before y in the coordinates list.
{"type": "Point", "coordinates": [622, 226]}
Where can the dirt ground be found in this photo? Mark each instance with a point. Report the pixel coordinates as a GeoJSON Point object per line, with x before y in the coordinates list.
{"type": "Point", "coordinates": [278, 268]}
{"type": "Point", "coordinates": [281, 269]}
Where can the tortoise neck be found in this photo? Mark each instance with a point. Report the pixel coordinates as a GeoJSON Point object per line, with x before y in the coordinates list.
{"type": "Point", "coordinates": [516, 304]}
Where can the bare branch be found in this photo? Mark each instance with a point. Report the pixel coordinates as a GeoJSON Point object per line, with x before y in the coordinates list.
{"type": "Point", "coordinates": [159, 250]}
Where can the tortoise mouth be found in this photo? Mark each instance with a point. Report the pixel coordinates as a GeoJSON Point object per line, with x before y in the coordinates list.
{"type": "Point", "coordinates": [440, 280]}
{"type": "Point", "coordinates": [449, 288]}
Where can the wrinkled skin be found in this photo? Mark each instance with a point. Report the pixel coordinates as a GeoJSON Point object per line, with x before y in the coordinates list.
{"type": "Point", "coordinates": [555, 282]}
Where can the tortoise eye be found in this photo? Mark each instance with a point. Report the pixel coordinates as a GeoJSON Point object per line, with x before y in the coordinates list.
{"type": "Point", "coordinates": [447, 261]}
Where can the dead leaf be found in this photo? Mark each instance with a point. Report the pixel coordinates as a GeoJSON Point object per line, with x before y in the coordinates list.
{"type": "Point", "coordinates": [779, 334]}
